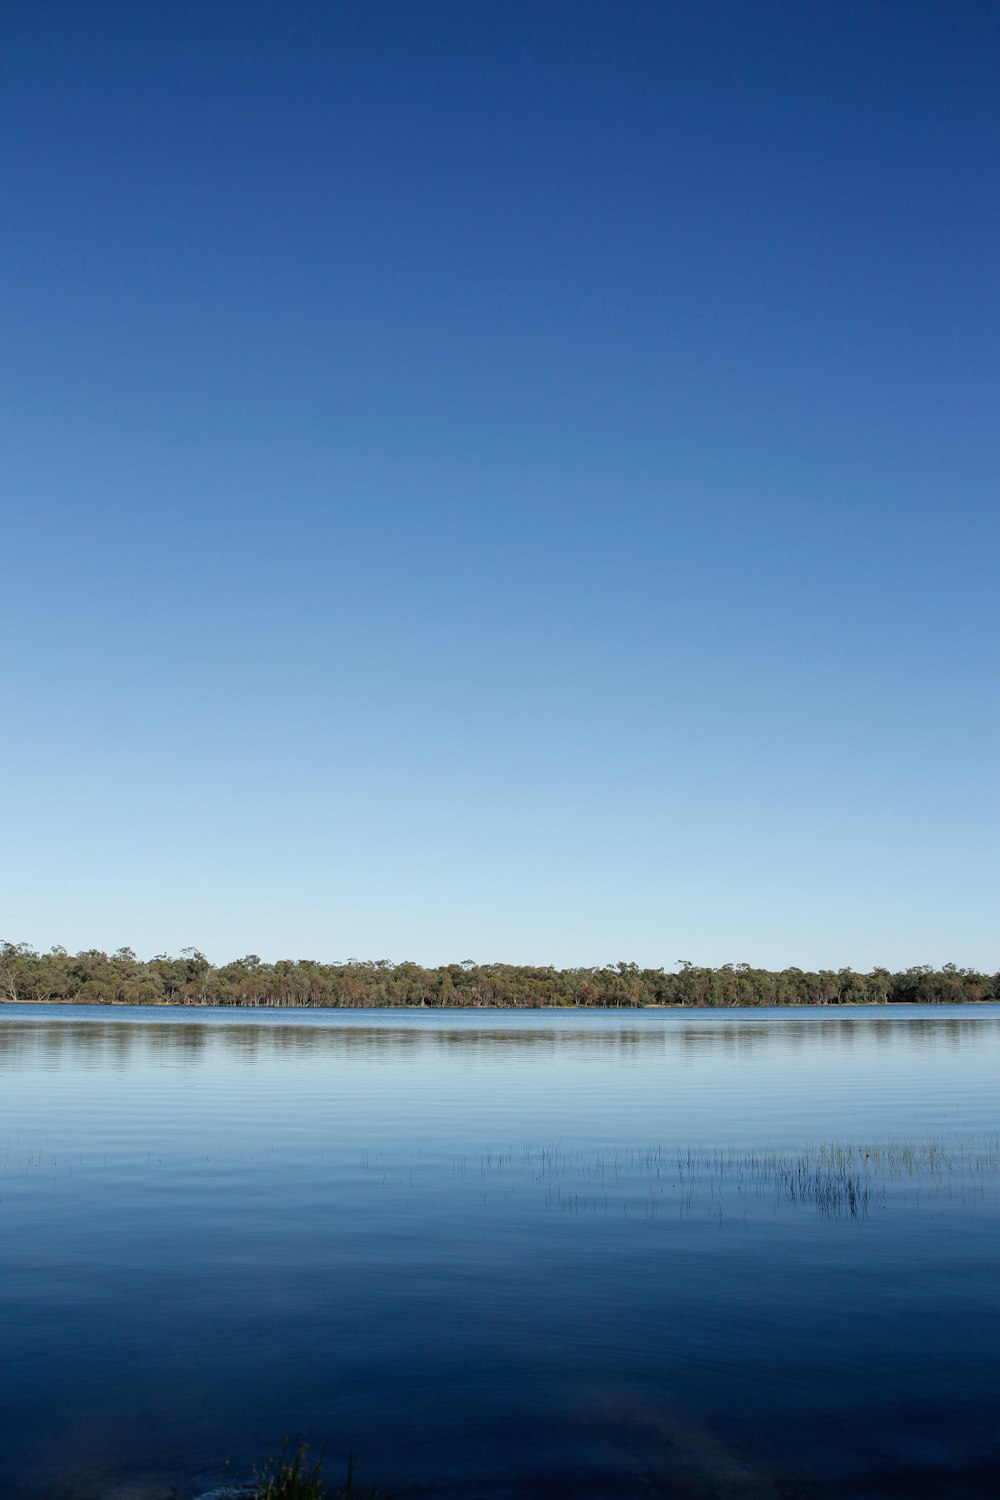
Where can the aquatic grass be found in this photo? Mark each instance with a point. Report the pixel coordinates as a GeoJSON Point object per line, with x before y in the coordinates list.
{"type": "Point", "coordinates": [836, 1179]}
{"type": "Point", "coordinates": [292, 1476]}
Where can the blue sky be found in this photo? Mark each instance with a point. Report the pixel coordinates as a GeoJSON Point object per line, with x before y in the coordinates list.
{"type": "Point", "coordinates": [502, 481]}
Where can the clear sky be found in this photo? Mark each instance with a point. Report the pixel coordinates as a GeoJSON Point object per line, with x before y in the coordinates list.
{"type": "Point", "coordinates": [501, 480]}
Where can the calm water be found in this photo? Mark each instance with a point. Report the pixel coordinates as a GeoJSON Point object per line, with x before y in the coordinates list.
{"type": "Point", "coordinates": [502, 1254]}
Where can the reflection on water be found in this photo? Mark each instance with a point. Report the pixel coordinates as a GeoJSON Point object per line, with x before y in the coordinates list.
{"type": "Point", "coordinates": [628, 1254]}
{"type": "Point", "coordinates": [103, 1038]}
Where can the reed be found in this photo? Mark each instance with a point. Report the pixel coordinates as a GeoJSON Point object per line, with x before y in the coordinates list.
{"type": "Point", "coordinates": [291, 1475]}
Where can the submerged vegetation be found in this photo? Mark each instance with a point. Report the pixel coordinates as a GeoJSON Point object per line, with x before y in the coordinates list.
{"type": "Point", "coordinates": [835, 1179]}
{"type": "Point", "coordinates": [95, 978]}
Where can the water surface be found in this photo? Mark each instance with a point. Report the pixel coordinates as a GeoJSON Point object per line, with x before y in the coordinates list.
{"type": "Point", "coordinates": [502, 1254]}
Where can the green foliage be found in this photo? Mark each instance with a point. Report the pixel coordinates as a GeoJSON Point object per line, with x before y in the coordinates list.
{"type": "Point", "coordinates": [290, 1476]}
{"type": "Point", "coordinates": [92, 977]}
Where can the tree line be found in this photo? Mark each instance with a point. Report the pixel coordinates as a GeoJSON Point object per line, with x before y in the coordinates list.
{"type": "Point", "coordinates": [96, 978]}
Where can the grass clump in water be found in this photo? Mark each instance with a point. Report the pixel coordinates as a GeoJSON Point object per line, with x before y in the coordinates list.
{"type": "Point", "coordinates": [291, 1476]}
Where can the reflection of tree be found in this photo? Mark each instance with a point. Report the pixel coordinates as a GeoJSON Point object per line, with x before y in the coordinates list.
{"type": "Point", "coordinates": [102, 1039]}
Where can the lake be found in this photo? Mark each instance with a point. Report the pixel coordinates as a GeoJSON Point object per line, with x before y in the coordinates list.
{"type": "Point", "coordinates": [501, 1254]}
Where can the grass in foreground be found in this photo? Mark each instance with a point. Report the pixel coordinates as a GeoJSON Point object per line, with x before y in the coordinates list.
{"type": "Point", "coordinates": [291, 1476]}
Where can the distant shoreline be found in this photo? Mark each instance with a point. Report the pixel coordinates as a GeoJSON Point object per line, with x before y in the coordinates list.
{"type": "Point", "coordinates": [93, 977]}
{"type": "Point", "coordinates": [556, 1010]}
